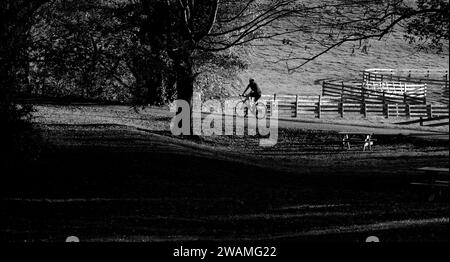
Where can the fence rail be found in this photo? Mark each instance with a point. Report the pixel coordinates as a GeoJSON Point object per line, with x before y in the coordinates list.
{"type": "Point", "coordinates": [414, 90]}
{"type": "Point", "coordinates": [358, 92]}
{"type": "Point", "coordinates": [436, 76]}
{"type": "Point", "coordinates": [431, 122]}
{"type": "Point", "coordinates": [295, 106]}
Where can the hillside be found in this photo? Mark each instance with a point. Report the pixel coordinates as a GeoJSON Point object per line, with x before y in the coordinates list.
{"type": "Point", "coordinates": [391, 52]}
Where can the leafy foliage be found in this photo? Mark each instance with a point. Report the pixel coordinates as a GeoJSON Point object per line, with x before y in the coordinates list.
{"type": "Point", "coordinates": [78, 51]}
{"type": "Point", "coordinates": [430, 29]}
{"type": "Point", "coordinates": [16, 132]}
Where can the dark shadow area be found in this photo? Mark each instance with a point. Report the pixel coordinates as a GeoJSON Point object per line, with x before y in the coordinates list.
{"type": "Point", "coordinates": [121, 185]}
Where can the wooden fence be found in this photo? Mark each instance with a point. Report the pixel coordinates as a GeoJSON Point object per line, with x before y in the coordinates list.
{"type": "Point", "coordinates": [413, 90]}
{"type": "Point", "coordinates": [432, 122]}
{"type": "Point", "coordinates": [359, 93]}
{"type": "Point", "coordinates": [436, 76]}
{"type": "Point", "coordinates": [328, 106]}
{"type": "Point", "coordinates": [437, 80]}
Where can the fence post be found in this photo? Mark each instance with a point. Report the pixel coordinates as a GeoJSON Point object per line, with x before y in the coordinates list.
{"type": "Point", "coordinates": [341, 107]}
{"type": "Point", "coordinates": [408, 111]}
{"type": "Point", "coordinates": [319, 109]}
{"type": "Point", "coordinates": [446, 82]}
{"type": "Point", "coordinates": [342, 90]}
{"type": "Point", "coordinates": [386, 110]}
{"type": "Point", "coordinates": [405, 98]}
{"type": "Point", "coordinates": [364, 109]}
{"type": "Point", "coordinates": [430, 110]}
{"type": "Point", "coordinates": [274, 97]}
{"type": "Point", "coordinates": [384, 97]}
{"type": "Point", "coordinates": [296, 106]}
{"type": "Point", "coordinates": [363, 94]}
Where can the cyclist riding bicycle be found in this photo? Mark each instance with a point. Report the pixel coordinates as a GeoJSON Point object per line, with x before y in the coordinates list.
{"type": "Point", "coordinates": [255, 92]}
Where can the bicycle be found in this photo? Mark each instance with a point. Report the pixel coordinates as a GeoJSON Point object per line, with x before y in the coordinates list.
{"type": "Point", "coordinates": [258, 109]}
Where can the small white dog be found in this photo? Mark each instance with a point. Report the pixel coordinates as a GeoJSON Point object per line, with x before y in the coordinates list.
{"type": "Point", "coordinates": [346, 142]}
{"type": "Point", "coordinates": [368, 143]}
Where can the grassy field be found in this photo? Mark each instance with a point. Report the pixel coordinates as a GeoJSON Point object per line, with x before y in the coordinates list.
{"type": "Point", "coordinates": [108, 181]}
{"type": "Point", "coordinates": [390, 52]}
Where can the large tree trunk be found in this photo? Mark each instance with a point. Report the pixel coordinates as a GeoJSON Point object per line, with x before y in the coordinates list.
{"type": "Point", "coordinates": [185, 79]}
{"type": "Point", "coordinates": [185, 86]}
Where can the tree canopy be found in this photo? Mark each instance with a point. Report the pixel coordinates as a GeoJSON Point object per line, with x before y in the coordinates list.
{"type": "Point", "coordinates": [151, 51]}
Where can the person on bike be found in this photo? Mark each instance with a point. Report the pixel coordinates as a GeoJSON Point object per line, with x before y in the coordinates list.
{"type": "Point", "coordinates": [255, 92]}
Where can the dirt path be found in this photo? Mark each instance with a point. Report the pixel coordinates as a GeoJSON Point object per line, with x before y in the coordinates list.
{"type": "Point", "coordinates": [158, 119]}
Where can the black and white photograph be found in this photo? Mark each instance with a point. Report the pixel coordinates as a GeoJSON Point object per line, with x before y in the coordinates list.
{"type": "Point", "coordinates": [224, 128]}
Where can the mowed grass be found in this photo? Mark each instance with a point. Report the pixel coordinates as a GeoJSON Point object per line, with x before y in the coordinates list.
{"type": "Point", "coordinates": [101, 179]}
{"type": "Point", "coordinates": [393, 51]}
{"type": "Point", "coordinates": [116, 183]}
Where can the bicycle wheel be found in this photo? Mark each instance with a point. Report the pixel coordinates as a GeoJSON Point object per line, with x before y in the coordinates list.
{"type": "Point", "coordinates": [241, 109]}
{"type": "Point", "coordinates": [260, 110]}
